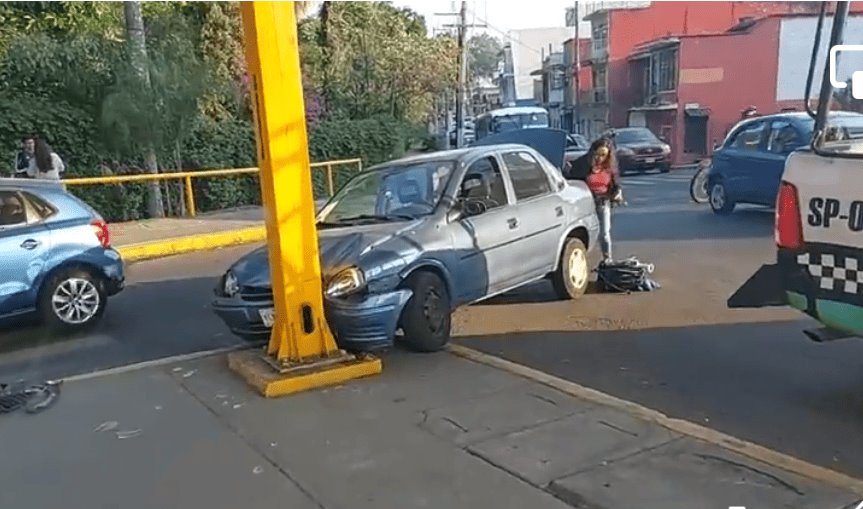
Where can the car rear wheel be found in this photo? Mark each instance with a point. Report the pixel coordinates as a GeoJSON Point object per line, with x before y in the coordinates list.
{"type": "Point", "coordinates": [572, 276]}
{"type": "Point", "coordinates": [720, 203]}
{"type": "Point", "coordinates": [72, 300]}
{"type": "Point", "coordinates": [427, 317]}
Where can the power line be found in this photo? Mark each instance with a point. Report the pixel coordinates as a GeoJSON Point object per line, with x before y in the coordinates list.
{"type": "Point", "coordinates": [505, 34]}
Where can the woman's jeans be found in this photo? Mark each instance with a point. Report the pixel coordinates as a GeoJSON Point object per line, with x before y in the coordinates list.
{"type": "Point", "coordinates": [603, 211]}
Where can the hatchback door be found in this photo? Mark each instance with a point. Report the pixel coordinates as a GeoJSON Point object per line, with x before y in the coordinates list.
{"type": "Point", "coordinates": [539, 213]}
{"type": "Point", "coordinates": [24, 247]}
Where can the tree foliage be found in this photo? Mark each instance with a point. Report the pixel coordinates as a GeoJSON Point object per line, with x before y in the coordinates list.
{"type": "Point", "coordinates": [370, 72]}
{"type": "Point", "coordinates": [371, 58]}
{"type": "Point", "coordinates": [483, 52]}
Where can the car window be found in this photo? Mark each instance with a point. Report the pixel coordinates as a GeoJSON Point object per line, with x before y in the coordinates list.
{"type": "Point", "coordinates": [13, 211]}
{"type": "Point", "coordinates": [749, 137]}
{"type": "Point", "coordinates": [40, 206]}
{"type": "Point", "coordinates": [783, 137]}
{"type": "Point", "coordinates": [528, 176]}
{"type": "Point", "coordinates": [489, 188]}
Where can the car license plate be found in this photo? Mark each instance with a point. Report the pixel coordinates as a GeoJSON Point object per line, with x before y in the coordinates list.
{"type": "Point", "coordinates": [650, 160]}
{"type": "Point", "coordinates": [268, 316]}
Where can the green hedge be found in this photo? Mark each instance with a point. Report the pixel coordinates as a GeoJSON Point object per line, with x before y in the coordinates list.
{"type": "Point", "coordinates": [209, 145]}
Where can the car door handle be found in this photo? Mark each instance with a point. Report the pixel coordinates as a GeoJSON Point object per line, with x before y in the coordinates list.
{"type": "Point", "coordinates": [513, 223]}
{"type": "Point", "coordinates": [30, 244]}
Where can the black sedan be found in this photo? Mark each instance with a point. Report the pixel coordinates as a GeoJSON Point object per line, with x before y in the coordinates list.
{"type": "Point", "coordinates": [639, 150]}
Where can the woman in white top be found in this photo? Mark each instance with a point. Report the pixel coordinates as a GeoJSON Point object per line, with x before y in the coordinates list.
{"type": "Point", "coordinates": [45, 163]}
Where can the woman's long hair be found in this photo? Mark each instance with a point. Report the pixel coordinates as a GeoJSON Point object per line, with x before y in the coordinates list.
{"type": "Point", "coordinates": [42, 154]}
{"type": "Point", "coordinates": [611, 162]}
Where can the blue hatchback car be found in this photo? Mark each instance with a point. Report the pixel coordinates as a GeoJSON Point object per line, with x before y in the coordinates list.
{"type": "Point", "coordinates": [55, 256]}
{"type": "Point", "coordinates": [748, 166]}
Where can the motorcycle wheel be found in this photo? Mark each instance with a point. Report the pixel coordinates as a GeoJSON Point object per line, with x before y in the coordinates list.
{"type": "Point", "coordinates": [698, 186]}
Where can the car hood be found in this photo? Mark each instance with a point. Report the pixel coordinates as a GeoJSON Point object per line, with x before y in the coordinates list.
{"type": "Point", "coordinates": [640, 145]}
{"type": "Point", "coordinates": [338, 248]}
{"type": "Point", "coordinates": [551, 143]}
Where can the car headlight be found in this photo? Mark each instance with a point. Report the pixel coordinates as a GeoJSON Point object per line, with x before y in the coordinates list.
{"type": "Point", "coordinates": [666, 149]}
{"type": "Point", "coordinates": [625, 152]}
{"type": "Point", "coordinates": [230, 286]}
{"type": "Point", "coordinates": [346, 282]}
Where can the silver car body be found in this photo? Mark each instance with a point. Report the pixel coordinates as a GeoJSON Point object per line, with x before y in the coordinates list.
{"type": "Point", "coordinates": [477, 257]}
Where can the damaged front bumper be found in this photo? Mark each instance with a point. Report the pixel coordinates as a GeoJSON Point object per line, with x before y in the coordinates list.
{"type": "Point", "coordinates": [360, 323]}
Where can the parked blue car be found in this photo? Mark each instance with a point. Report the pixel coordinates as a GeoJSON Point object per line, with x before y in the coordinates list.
{"type": "Point", "coordinates": [747, 167]}
{"type": "Point", "coordinates": [405, 243]}
{"type": "Point", "coordinates": [55, 256]}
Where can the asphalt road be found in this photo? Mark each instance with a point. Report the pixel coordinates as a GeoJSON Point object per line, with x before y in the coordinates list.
{"type": "Point", "coordinates": [750, 373]}
{"type": "Point", "coordinates": [163, 312]}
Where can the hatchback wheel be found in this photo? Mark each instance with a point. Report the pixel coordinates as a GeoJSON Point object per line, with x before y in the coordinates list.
{"type": "Point", "coordinates": [72, 300]}
{"type": "Point", "coordinates": [720, 203]}
{"type": "Point", "coordinates": [572, 276]}
{"type": "Point", "coordinates": [427, 317]}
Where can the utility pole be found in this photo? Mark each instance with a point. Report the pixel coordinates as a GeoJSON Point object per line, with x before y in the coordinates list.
{"type": "Point", "coordinates": [462, 75]}
{"type": "Point", "coordinates": [576, 61]}
{"type": "Point", "coordinates": [461, 34]}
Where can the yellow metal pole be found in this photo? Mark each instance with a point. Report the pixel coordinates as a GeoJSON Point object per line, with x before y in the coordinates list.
{"type": "Point", "coordinates": [302, 353]}
{"type": "Point", "coordinates": [190, 197]}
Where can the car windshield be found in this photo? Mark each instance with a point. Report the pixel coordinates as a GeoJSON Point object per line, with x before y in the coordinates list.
{"type": "Point", "coordinates": [625, 136]}
{"type": "Point", "coordinates": [841, 127]}
{"type": "Point", "coordinates": [576, 143]}
{"type": "Point", "coordinates": [520, 121]}
{"type": "Point", "coordinates": [390, 193]}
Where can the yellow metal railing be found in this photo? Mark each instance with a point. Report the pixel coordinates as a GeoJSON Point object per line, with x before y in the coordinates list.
{"type": "Point", "coordinates": [187, 176]}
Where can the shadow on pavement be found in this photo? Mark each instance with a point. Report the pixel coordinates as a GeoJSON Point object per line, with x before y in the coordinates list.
{"type": "Point", "coordinates": [692, 224]}
{"type": "Point", "coordinates": [148, 320]}
{"type": "Point", "coordinates": [763, 382]}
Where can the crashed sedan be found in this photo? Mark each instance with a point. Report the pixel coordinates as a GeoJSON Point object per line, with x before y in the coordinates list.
{"type": "Point", "coordinates": [405, 243]}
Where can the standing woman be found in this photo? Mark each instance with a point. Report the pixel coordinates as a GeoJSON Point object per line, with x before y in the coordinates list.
{"type": "Point", "coordinates": [45, 163]}
{"type": "Point", "coordinates": [598, 169]}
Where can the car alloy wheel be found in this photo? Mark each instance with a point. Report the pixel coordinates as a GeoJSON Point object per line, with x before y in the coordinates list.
{"type": "Point", "coordinates": [76, 301]}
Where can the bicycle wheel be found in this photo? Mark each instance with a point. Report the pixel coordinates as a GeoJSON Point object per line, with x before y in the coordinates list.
{"type": "Point", "coordinates": [698, 186]}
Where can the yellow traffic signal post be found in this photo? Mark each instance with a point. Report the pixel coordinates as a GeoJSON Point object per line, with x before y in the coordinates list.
{"type": "Point", "coordinates": [302, 353]}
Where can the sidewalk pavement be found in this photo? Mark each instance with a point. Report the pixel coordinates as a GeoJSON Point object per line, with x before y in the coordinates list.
{"type": "Point", "coordinates": [151, 230]}
{"type": "Point", "coordinates": [433, 431]}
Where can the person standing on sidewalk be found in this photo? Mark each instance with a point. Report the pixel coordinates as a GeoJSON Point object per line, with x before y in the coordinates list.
{"type": "Point", "coordinates": [598, 169]}
{"type": "Point", "coordinates": [45, 163]}
{"type": "Point", "coordinates": [24, 156]}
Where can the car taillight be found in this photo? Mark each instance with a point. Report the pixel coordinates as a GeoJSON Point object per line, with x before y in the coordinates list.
{"type": "Point", "coordinates": [100, 228]}
{"type": "Point", "coordinates": [788, 230]}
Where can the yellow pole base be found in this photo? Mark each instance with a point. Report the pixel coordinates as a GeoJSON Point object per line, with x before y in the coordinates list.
{"type": "Point", "coordinates": [258, 370]}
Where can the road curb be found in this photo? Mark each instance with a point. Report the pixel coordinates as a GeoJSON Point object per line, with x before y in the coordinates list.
{"type": "Point", "coordinates": [687, 428]}
{"type": "Point", "coordinates": [191, 243]}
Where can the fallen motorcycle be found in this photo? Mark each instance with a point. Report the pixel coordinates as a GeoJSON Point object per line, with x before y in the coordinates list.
{"type": "Point", "coordinates": [698, 185]}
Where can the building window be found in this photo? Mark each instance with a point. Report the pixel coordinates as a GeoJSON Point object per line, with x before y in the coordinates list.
{"type": "Point", "coordinates": [599, 77]}
{"type": "Point", "coordinates": [663, 71]}
{"type": "Point", "coordinates": [557, 80]}
{"type": "Point", "coordinates": [600, 37]}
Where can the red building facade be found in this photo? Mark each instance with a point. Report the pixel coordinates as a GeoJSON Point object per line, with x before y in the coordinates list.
{"type": "Point", "coordinates": [661, 58]}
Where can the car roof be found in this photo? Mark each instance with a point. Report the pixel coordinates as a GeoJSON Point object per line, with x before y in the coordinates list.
{"type": "Point", "coordinates": [455, 155]}
{"type": "Point", "coordinates": [32, 184]}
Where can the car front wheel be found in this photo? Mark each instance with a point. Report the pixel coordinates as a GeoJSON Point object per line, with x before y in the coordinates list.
{"type": "Point", "coordinates": [427, 317]}
{"type": "Point", "coordinates": [720, 203]}
{"type": "Point", "coordinates": [72, 300]}
{"type": "Point", "coordinates": [572, 276]}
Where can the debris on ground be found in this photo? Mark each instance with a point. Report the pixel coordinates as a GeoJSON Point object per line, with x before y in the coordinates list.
{"type": "Point", "coordinates": [33, 399]}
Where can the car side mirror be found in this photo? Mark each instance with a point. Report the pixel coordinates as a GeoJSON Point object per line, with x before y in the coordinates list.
{"type": "Point", "coordinates": [716, 146]}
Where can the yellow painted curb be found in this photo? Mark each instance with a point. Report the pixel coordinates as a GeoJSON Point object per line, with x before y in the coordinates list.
{"type": "Point", "coordinates": [191, 243]}
{"type": "Point", "coordinates": [687, 428]}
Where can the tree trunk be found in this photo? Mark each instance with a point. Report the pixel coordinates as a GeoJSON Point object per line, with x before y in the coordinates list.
{"type": "Point", "coordinates": [137, 43]}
